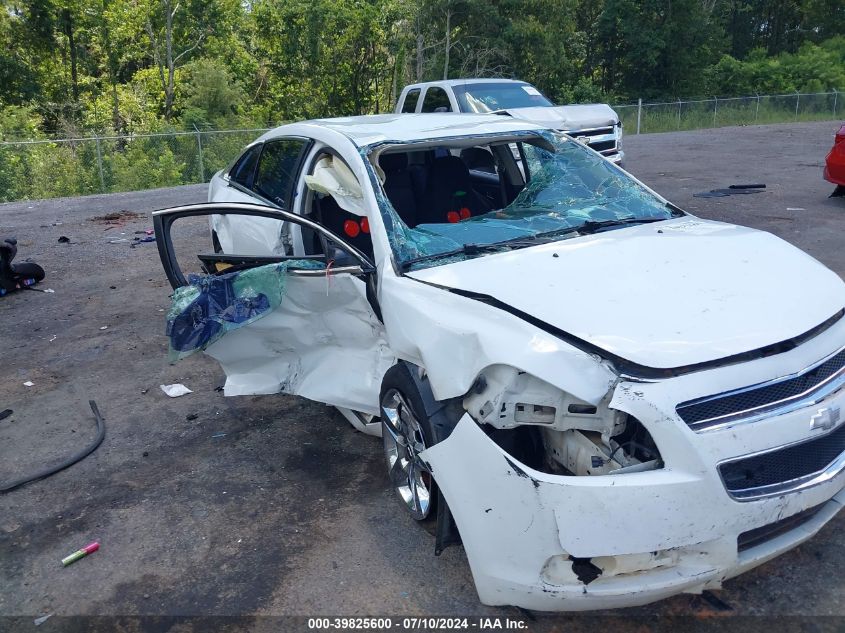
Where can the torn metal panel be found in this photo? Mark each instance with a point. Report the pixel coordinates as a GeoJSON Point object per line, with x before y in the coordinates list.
{"type": "Point", "coordinates": [322, 342]}
{"type": "Point", "coordinates": [456, 338]}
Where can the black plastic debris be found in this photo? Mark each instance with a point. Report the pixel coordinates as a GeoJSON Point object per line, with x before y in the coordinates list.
{"type": "Point", "coordinates": [732, 190]}
{"type": "Point", "coordinates": [16, 276]}
{"type": "Point", "coordinates": [5, 414]}
{"type": "Point", "coordinates": [141, 240]}
{"type": "Point", "coordinates": [64, 239]}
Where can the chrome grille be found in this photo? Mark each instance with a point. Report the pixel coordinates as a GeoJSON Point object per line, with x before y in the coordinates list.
{"type": "Point", "coordinates": [711, 411]}
{"type": "Point", "coordinates": [784, 469]}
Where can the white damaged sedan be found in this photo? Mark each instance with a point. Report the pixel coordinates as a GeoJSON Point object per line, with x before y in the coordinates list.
{"type": "Point", "coordinates": [607, 400]}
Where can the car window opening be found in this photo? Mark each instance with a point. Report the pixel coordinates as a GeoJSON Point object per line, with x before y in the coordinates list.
{"type": "Point", "coordinates": [337, 204]}
{"type": "Point", "coordinates": [455, 201]}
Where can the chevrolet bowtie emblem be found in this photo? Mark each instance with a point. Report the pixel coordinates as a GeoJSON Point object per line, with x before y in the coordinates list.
{"type": "Point", "coordinates": [825, 419]}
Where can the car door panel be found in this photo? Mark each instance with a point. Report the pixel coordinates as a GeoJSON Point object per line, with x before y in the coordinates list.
{"type": "Point", "coordinates": [324, 340]}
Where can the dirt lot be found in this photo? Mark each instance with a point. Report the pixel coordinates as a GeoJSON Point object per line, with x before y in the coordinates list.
{"type": "Point", "coordinates": [273, 504]}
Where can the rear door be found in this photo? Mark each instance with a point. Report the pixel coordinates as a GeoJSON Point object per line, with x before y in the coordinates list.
{"type": "Point", "coordinates": [275, 323]}
{"type": "Point", "coordinates": [266, 173]}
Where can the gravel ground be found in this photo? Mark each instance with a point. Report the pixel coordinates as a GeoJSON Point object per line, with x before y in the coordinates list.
{"type": "Point", "coordinates": [273, 505]}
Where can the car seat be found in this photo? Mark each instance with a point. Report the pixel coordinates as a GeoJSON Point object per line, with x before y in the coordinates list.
{"type": "Point", "coordinates": [398, 186]}
{"type": "Point", "coordinates": [449, 196]}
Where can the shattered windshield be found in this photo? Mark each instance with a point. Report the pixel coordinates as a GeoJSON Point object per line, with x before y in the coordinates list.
{"type": "Point", "coordinates": [481, 98]}
{"type": "Point", "coordinates": [455, 202]}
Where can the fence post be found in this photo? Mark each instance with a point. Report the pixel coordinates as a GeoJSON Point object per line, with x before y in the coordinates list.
{"type": "Point", "coordinates": [757, 110]}
{"type": "Point", "coordinates": [835, 93]}
{"type": "Point", "coordinates": [199, 150]}
{"type": "Point", "coordinates": [100, 166]}
{"type": "Point", "coordinates": [639, 113]}
{"type": "Point", "coordinates": [715, 107]}
{"type": "Point", "coordinates": [797, 101]}
{"type": "Point", "coordinates": [679, 114]}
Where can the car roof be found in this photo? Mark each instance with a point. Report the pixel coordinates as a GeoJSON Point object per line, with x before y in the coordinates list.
{"type": "Point", "coordinates": [468, 80]}
{"type": "Point", "coordinates": [376, 128]}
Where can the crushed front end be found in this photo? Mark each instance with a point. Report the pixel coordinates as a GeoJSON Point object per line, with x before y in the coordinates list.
{"type": "Point", "coordinates": [665, 486]}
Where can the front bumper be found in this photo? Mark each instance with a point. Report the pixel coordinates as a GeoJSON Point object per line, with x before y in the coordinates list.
{"type": "Point", "coordinates": [669, 531]}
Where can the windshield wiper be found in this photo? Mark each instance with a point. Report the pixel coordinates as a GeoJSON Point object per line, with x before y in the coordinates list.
{"type": "Point", "coordinates": [593, 226]}
{"type": "Point", "coordinates": [523, 241]}
{"type": "Point", "coordinates": [466, 249]}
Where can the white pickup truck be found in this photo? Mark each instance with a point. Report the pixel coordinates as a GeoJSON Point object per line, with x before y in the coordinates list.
{"type": "Point", "coordinates": [596, 124]}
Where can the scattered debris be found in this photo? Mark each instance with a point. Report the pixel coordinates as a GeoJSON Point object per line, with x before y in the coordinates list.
{"type": "Point", "coordinates": [118, 241]}
{"type": "Point", "coordinates": [216, 435]}
{"type": "Point", "coordinates": [117, 218]}
{"type": "Point", "coordinates": [795, 209]}
{"type": "Point", "coordinates": [81, 553]}
{"type": "Point", "coordinates": [70, 461]}
{"type": "Point", "coordinates": [64, 239]}
{"type": "Point", "coordinates": [189, 417]}
{"type": "Point", "coordinates": [29, 383]}
{"type": "Point", "coordinates": [141, 240]}
{"type": "Point", "coordinates": [47, 290]}
{"type": "Point", "coordinates": [54, 337]}
{"type": "Point", "coordinates": [220, 388]}
{"type": "Point", "coordinates": [732, 190]}
{"type": "Point", "coordinates": [16, 276]}
{"type": "Point", "coordinates": [5, 414]}
{"type": "Point", "coordinates": [105, 327]}
{"type": "Point", "coordinates": [175, 390]}
{"type": "Point", "coordinates": [42, 619]}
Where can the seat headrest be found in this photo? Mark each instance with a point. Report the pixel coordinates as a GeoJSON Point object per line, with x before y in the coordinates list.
{"type": "Point", "coordinates": [478, 158]}
{"type": "Point", "coordinates": [450, 169]}
{"type": "Point", "coordinates": [393, 162]}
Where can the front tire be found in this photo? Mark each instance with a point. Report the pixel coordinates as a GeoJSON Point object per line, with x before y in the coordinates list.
{"type": "Point", "coordinates": [406, 432]}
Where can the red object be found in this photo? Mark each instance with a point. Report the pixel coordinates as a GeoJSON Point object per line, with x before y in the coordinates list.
{"type": "Point", "coordinates": [90, 549]}
{"type": "Point", "coordinates": [453, 217]}
{"type": "Point", "coordinates": [465, 213]}
{"type": "Point", "coordinates": [365, 225]}
{"type": "Point", "coordinates": [834, 169]}
{"type": "Point", "coordinates": [351, 228]}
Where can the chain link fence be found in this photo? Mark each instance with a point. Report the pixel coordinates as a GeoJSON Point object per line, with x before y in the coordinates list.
{"type": "Point", "coordinates": [697, 114]}
{"type": "Point", "coordinates": [103, 164]}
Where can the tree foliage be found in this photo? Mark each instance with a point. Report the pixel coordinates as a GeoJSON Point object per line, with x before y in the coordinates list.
{"type": "Point", "coordinates": [75, 67]}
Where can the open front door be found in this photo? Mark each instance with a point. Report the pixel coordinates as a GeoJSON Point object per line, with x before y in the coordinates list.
{"type": "Point", "coordinates": [301, 325]}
